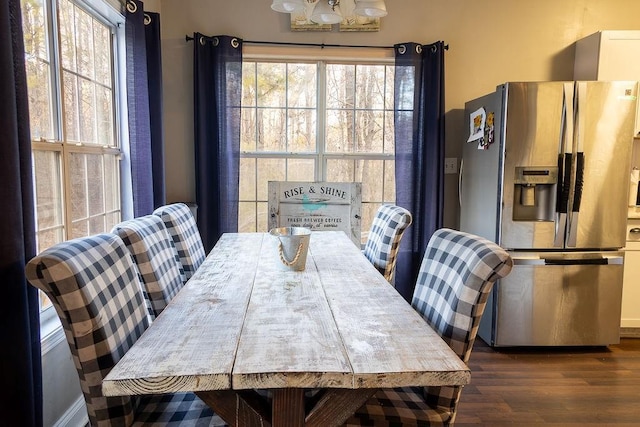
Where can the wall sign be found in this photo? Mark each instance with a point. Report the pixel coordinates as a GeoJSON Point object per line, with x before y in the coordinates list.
{"type": "Point", "coordinates": [333, 206]}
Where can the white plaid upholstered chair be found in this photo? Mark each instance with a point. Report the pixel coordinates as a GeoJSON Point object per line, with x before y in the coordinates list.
{"type": "Point", "coordinates": [183, 229]}
{"type": "Point", "coordinates": [384, 238]}
{"type": "Point", "coordinates": [157, 259]}
{"type": "Point", "coordinates": [457, 273]}
{"type": "Point", "coordinates": [94, 287]}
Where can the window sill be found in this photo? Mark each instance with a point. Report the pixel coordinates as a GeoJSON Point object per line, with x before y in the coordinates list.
{"type": "Point", "coordinates": [51, 333]}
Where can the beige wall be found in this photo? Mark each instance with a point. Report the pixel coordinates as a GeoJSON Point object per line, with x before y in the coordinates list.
{"type": "Point", "coordinates": [490, 42]}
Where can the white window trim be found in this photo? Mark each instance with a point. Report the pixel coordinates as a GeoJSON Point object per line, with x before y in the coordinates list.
{"type": "Point", "coordinates": [51, 333]}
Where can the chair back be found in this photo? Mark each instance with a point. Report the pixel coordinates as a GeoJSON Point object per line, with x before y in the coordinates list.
{"type": "Point", "coordinates": [457, 273]}
{"type": "Point", "coordinates": [384, 238]}
{"type": "Point", "coordinates": [156, 257]}
{"type": "Point", "coordinates": [94, 287]}
{"type": "Point", "coordinates": [183, 229]}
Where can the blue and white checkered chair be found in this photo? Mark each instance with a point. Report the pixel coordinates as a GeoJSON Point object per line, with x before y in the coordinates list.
{"type": "Point", "coordinates": [157, 259]}
{"type": "Point", "coordinates": [94, 287]}
{"type": "Point", "coordinates": [183, 229]}
{"type": "Point", "coordinates": [384, 238]}
{"type": "Point", "coordinates": [457, 273]}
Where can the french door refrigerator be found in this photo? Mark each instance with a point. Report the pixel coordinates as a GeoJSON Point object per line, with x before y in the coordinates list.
{"type": "Point", "coordinates": [548, 179]}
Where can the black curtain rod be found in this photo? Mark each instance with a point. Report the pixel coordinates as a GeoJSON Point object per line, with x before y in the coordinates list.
{"type": "Point", "coordinates": [320, 45]}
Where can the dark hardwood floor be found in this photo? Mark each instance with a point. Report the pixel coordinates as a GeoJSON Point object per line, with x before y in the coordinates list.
{"type": "Point", "coordinates": [553, 386]}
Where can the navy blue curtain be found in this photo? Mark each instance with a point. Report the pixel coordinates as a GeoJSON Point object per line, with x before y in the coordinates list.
{"type": "Point", "coordinates": [419, 137]}
{"type": "Point", "coordinates": [217, 80]}
{"type": "Point", "coordinates": [144, 103]}
{"type": "Point", "coordinates": [21, 380]}
{"type": "Point", "coordinates": [154, 80]}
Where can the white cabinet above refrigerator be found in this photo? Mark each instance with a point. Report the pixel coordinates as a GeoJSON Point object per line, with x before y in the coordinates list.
{"type": "Point", "coordinates": [609, 55]}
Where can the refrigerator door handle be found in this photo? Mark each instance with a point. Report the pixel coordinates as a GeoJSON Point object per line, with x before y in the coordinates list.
{"type": "Point", "coordinates": [460, 181]}
{"type": "Point", "coordinates": [581, 99]}
{"type": "Point", "coordinates": [603, 260]}
{"type": "Point", "coordinates": [564, 166]}
{"type": "Point", "coordinates": [577, 199]}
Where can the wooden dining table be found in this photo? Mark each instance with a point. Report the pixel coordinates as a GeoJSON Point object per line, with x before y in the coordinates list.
{"type": "Point", "coordinates": [264, 345]}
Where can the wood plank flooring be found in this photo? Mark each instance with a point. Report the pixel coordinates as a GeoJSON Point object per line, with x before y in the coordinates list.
{"type": "Point", "coordinates": [553, 386]}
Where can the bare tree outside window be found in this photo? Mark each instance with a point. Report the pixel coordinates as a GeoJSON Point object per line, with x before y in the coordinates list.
{"type": "Point", "coordinates": [315, 121]}
{"type": "Point", "coordinates": [72, 115]}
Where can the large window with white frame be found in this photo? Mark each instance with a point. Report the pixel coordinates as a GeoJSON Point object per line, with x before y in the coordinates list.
{"type": "Point", "coordinates": [70, 61]}
{"type": "Point", "coordinates": [316, 121]}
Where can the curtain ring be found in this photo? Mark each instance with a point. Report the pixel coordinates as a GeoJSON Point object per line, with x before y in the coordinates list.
{"type": "Point", "coordinates": [202, 40]}
{"type": "Point", "coordinates": [402, 49]}
{"type": "Point", "coordinates": [418, 49]}
{"type": "Point", "coordinates": [234, 43]}
{"type": "Point", "coordinates": [216, 41]}
{"type": "Point", "coordinates": [147, 19]}
{"type": "Point", "coordinates": [434, 48]}
{"type": "Point", "coordinates": [132, 7]}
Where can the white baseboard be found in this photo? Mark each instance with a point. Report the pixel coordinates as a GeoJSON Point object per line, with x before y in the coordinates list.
{"type": "Point", "coordinates": [75, 416]}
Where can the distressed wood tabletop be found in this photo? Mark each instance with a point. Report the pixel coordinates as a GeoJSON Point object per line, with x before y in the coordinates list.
{"type": "Point", "coordinates": [244, 321]}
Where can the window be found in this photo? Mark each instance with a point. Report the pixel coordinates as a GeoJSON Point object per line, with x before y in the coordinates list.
{"type": "Point", "coordinates": [315, 121]}
{"type": "Point", "coordinates": [70, 62]}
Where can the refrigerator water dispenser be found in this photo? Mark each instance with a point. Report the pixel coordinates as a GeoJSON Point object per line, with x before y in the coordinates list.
{"type": "Point", "coordinates": [535, 193]}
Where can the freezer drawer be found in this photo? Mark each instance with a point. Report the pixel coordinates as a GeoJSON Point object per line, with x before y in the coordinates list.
{"type": "Point", "coordinates": [554, 303]}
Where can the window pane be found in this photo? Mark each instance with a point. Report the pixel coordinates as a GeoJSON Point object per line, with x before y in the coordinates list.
{"type": "Point", "coordinates": [248, 138]}
{"type": "Point", "coordinates": [262, 215]}
{"type": "Point", "coordinates": [370, 173]}
{"type": "Point", "coordinates": [389, 181]}
{"type": "Point", "coordinates": [370, 87]}
{"type": "Point", "coordinates": [67, 39]}
{"type": "Point", "coordinates": [272, 135]}
{"type": "Point", "coordinates": [389, 135]}
{"type": "Point", "coordinates": [48, 198]}
{"type": "Point", "coordinates": [339, 132]}
{"type": "Point", "coordinates": [302, 131]}
{"type": "Point", "coordinates": [37, 62]}
{"type": "Point", "coordinates": [247, 217]}
{"type": "Point", "coordinates": [389, 88]}
{"type": "Point", "coordinates": [248, 84]}
{"type": "Point", "coordinates": [79, 229]}
{"type": "Point", "coordinates": [40, 102]}
{"type": "Point", "coordinates": [301, 170]}
{"type": "Point", "coordinates": [271, 85]}
{"type": "Point", "coordinates": [340, 170]}
{"type": "Point", "coordinates": [34, 29]}
{"type": "Point", "coordinates": [84, 44]}
{"type": "Point", "coordinates": [302, 85]}
{"type": "Point", "coordinates": [369, 131]}
{"type": "Point", "coordinates": [269, 170]}
{"type": "Point", "coordinates": [247, 179]}
{"type": "Point", "coordinates": [78, 184]}
{"type": "Point", "coordinates": [102, 53]}
{"type": "Point", "coordinates": [112, 183]}
{"type": "Point", "coordinates": [95, 184]}
{"type": "Point", "coordinates": [104, 110]}
{"type": "Point", "coordinates": [71, 108]}
{"type": "Point", "coordinates": [87, 112]}
{"type": "Point", "coordinates": [340, 86]}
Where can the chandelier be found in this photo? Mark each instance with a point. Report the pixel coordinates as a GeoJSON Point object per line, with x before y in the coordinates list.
{"type": "Point", "coordinates": [328, 11]}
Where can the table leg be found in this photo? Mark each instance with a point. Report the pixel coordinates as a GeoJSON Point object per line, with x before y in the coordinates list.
{"type": "Point", "coordinates": [288, 407]}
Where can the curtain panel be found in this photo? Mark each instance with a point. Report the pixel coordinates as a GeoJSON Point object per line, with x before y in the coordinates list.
{"type": "Point", "coordinates": [217, 88]}
{"type": "Point", "coordinates": [154, 81]}
{"type": "Point", "coordinates": [144, 104]}
{"type": "Point", "coordinates": [21, 394]}
{"type": "Point", "coordinates": [419, 136]}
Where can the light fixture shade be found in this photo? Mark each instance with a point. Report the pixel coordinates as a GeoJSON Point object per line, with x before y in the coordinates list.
{"type": "Point", "coordinates": [323, 13]}
{"type": "Point", "coordinates": [371, 8]}
{"type": "Point", "coordinates": [287, 6]}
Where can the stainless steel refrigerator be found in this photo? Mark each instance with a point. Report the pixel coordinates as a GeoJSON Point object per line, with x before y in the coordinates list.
{"type": "Point", "coordinates": [545, 174]}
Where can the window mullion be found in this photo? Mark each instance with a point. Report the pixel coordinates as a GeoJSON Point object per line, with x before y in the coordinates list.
{"type": "Point", "coordinates": [321, 143]}
{"type": "Point", "coordinates": [55, 67]}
